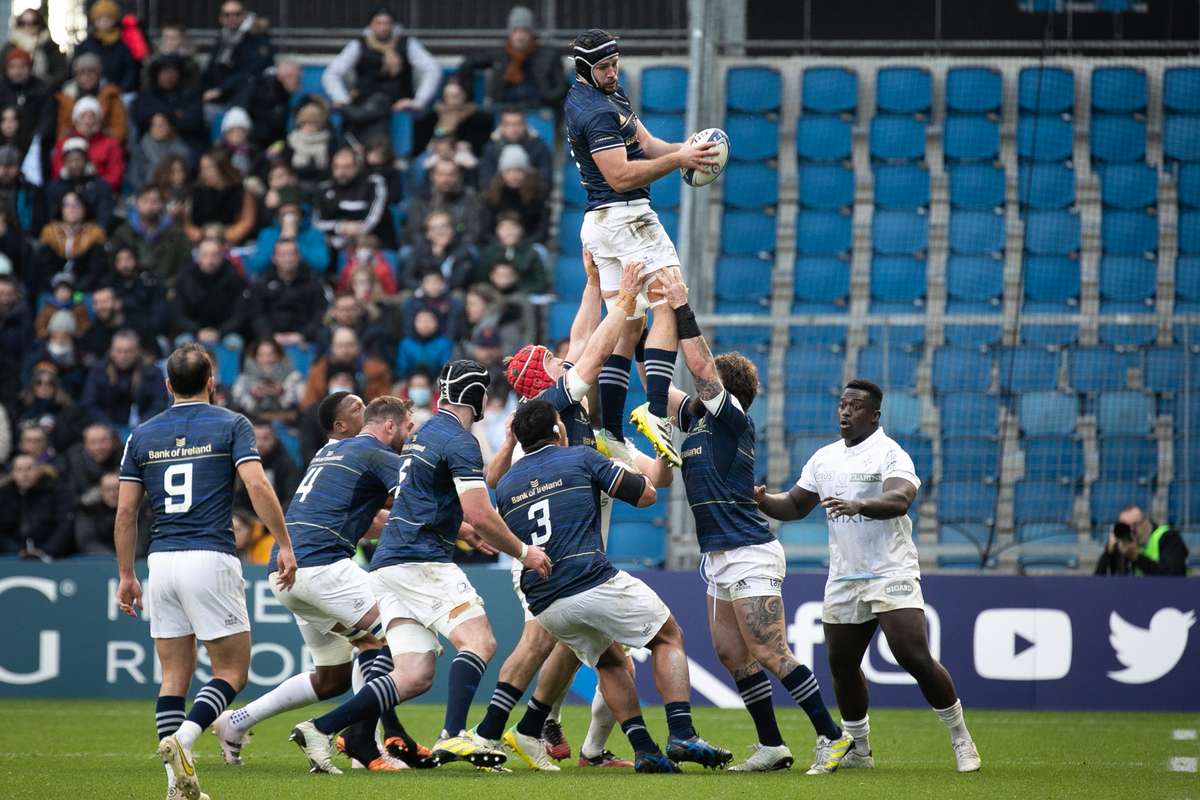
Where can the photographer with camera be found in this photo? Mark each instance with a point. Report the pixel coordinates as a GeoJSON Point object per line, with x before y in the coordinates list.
{"type": "Point", "coordinates": [1136, 546]}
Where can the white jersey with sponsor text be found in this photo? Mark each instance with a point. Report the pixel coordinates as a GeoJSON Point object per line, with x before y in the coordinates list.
{"type": "Point", "coordinates": [859, 547]}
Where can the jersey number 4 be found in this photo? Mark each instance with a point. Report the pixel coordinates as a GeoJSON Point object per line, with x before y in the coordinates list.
{"type": "Point", "coordinates": [539, 512]}
{"type": "Point", "coordinates": [306, 485]}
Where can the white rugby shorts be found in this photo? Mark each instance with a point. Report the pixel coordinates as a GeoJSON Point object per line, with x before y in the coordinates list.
{"type": "Point", "coordinates": [323, 598]}
{"type": "Point", "coordinates": [426, 592]}
{"type": "Point", "coordinates": [853, 602]}
{"type": "Point", "coordinates": [620, 234]}
{"type": "Point", "coordinates": [755, 570]}
{"type": "Point", "coordinates": [623, 610]}
{"type": "Point", "coordinates": [196, 592]}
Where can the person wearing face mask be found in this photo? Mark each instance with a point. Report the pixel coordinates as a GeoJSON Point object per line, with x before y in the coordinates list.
{"type": "Point", "coordinates": [367, 255]}
{"type": "Point", "coordinates": [420, 391]}
{"type": "Point", "coordinates": [59, 348]}
{"type": "Point", "coordinates": [63, 297]}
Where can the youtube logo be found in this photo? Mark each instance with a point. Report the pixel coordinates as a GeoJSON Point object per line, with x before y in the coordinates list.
{"type": "Point", "coordinates": [1023, 644]}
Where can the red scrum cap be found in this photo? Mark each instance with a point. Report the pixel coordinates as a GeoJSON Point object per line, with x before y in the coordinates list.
{"type": "Point", "coordinates": [526, 371]}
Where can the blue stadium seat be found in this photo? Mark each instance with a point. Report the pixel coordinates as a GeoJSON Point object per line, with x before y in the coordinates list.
{"type": "Point", "coordinates": [1188, 185]}
{"type": "Point", "coordinates": [755, 137]}
{"type": "Point", "coordinates": [1166, 370]}
{"type": "Point", "coordinates": [903, 90]}
{"type": "Point", "coordinates": [976, 186]}
{"type": "Point", "coordinates": [1181, 90]}
{"type": "Point", "coordinates": [670, 223]}
{"type": "Point", "coordinates": [1118, 90]}
{"type": "Point", "coordinates": [1049, 335]}
{"type": "Point", "coordinates": [965, 413]}
{"type": "Point", "coordinates": [1128, 458]}
{"type": "Point", "coordinates": [1053, 458]}
{"type": "Point", "coordinates": [668, 127]}
{"type": "Point", "coordinates": [744, 278]}
{"type": "Point", "coordinates": [977, 336]}
{"type": "Point", "coordinates": [1028, 369]}
{"type": "Point", "coordinates": [897, 139]}
{"type": "Point", "coordinates": [973, 90]}
{"type": "Point", "coordinates": [569, 277]}
{"type": "Point", "coordinates": [810, 413]}
{"type": "Point", "coordinates": [825, 186]}
{"type": "Point", "coordinates": [813, 371]}
{"type": "Point", "coordinates": [901, 186]}
{"type": "Point", "coordinates": [823, 139]}
{"type": "Point", "coordinates": [1117, 139]}
{"type": "Point", "coordinates": [832, 336]}
{"type": "Point", "coordinates": [1187, 284]}
{"type": "Point", "coordinates": [823, 232]}
{"type": "Point", "coordinates": [965, 501]}
{"type": "Point", "coordinates": [960, 369]}
{"type": "Point", "coordinates": [1184, 500]}
{"type": "Point", "coordinates": [561, 315]}
{"type": "Point", "coordinates": [301, 356]}
{"type": "Point", "coordinates": [1108, 498]}
{"type": "Point", "coordinates": [1044, 138]}
{"type": "Point", "coordinates": [807, 533]}
{"type": "Point", "coordinates": [229, 364]}
{"type": "Point", "coordinates": [906, 337]}
{"type": "Point", "coordinates": [667, 192]}
{"type": "Point", "coordinates": [822, 279]}
{"type": "Point", "coordinates": [1045, 185]}
{"type": "Point", "coordinates": [542, 123]}
{"type": "Point", "coordinates": [310, 80]}
{"type": "Point", "coordinates": [402, 133]}
{"type": "Point", "coordinates": [975, 279]}
{"type": "Point", "coordinates": [1046, 90]}
{"type": "Point", "coordinates": [971, 138]}
{"type": "Point", "coordinates": [1125, 412]}
{"type": "Point", "coordinates": [760, 306]}
{"type": "Point", "coordinates": [1045, 413]}
{"type": "Point", "coordinates": [891, 369]}
{"type": "Point", "coordinates": [1052, 280]}
{"type": "Point", "coordinates": [1126, 334]}
{"type": "Point", "coordinates": [971, 458]}
{"type": "Point", "coordinates": [901, 414]}
{"type": "Point", "coordinates": [747, 232]}
{"type": "Point", "coordinates": [1098, 369]}
{"type": "Point", "coordinates": [968, 537]}
{"type": "Point", "coordinates": [664, 89]}
{"type": "Point", "coordinates": [1181, 138]}
{"type": "Point", "coordinates": [1128, 232]}
{"type": "Point", "coordinates": [829, 90]}
{"type": "Point", "coordinates": [569, 224]}
{"type": "Point", "coordinates": [741, 337]}
{"type": "Point", "coordinates": [753, 90]}
{"type": "Point", "coordinates": [637, 545]}
{"type": "Point", "coordinates": [920, 450]}
{"type": "Point", "coordinates": [1128, 279]}
{"type": "Point", "coordinates": [1129, 186]}
{"type": "Point", "coordinates": [573, 192]}
{"type": "Point", "coordinates": [976, 232]}
{"type": "Point", "coordinates": [1189, 231]}
{"type": "Point", "coordinates": [1042, 501]}
{"type": "Point", "coordinates": [897, 283]}
{"type": "Point", "coordinates": [1052, 233]}
{"type": "Point", "coordinates": [1041, 544]}
{"type": "Point", "coordinates": [750, 186]}
{"type": "Point", "coordinates": [899, 232]}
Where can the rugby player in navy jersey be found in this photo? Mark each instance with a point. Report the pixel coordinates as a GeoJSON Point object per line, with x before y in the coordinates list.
{"type": "Point", "coordinates": [551, 498]}
{"type": "Point", "coordinates": [184, 460]}
{"type": "Point", "coordinates": [421, 593]}
{"type": "Point", "coordinates": [618, 159]}
{"type": "Point", "coordinates": [743, 562]}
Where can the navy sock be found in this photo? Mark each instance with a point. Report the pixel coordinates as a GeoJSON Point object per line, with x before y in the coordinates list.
{"type": "Point", "coordinates": [679, 720]}
{"type": "Point", "coordinates": [210, 701]}
{"type": "Point", "coordinates": [374, 698]}
{"type": "Point", "coordinates": [756, 694]}
{"type": "Point", "coordinates": [639, 737]}
{"type": "Point", "coordinates": [503, 699]}
{"type": "Point", "coordinates": [802, 686]}
{"type": "Point", "coordinates": [466, 670]}
{"type": "Point", "coordinates": [614, 387]}
{"type": "Point", "coordinates": [660, 368]}
{"type": "Point", "coordinates": [535, 718]}
{"type": "Point", "coordinates": [375, 663]}
{"type": "Point", "coordinates": [168, 715]}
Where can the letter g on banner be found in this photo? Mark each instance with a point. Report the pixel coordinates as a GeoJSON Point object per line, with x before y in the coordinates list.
{"type": "Point", "coordinates": [48, 641]}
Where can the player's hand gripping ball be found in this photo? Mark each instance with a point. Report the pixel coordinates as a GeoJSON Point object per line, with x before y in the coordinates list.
{"type": "Point", "coordinates": [718, 156]}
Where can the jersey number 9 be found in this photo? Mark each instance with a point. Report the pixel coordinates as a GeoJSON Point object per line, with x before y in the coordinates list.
{"type": "Point", "coordinates": [177, 483]}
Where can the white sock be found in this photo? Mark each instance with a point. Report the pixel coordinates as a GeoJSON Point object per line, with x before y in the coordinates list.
{"type": "Point", "coordinates": [356, 677]}
{"type": "Point", "coordinates": [860, 730]}
{"type": "Point", "coordinates": [599, 729]}
{"type": "Point", "coordinates": [187, 734]}
{"type": "Point", "coordinates": [296, 692]}
{"type": "Point", "coordinates": [952, 718]}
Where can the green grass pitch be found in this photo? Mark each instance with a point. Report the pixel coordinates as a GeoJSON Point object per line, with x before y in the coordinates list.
{"type": "Point", "coordinates": [51, 749]}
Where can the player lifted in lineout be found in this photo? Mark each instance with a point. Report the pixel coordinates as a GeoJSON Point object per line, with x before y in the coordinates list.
{"type": "Point", "coordinates": [184, 459]}
{"type": "Point", "coordinates": [618, 159]}
{"type": "Point", "coordinates": [866, 483]}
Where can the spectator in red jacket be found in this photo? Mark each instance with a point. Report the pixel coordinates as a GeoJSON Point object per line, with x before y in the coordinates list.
{"type": "Point", "coordinates": [103, 151]}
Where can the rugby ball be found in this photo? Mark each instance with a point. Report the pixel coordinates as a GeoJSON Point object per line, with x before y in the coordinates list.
{"type": "Point", "coordinates": [696, 177]}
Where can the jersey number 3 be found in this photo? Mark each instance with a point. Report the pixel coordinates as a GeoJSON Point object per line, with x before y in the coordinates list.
{"type": "Point", "coordinates": [539, 512]}
{"type": "Point", "coordinates": [177, 483]}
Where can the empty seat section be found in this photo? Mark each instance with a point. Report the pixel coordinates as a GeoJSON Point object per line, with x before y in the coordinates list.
{"type": "Point", "coordinates": [1128, 232]}
{"type": "Point", "coordinates": [899, 232]}
{"type": "Point", "coordinates": [1053, 458]}
{"type": "Point", "coordinates": [1118, 90]}
{"type": "Point", "coordinates": [903, 90]}
{"type": "Point", "coordinates": [965, 501]}
{"type": "Point", "coordinates": [970, 458]}
{"type": "Point", "coordinates": [891, 368]}
{"type": "Point", "coordinates": [829, 90]}
{"type": "Point", "coordinates": [821, 232]}
{"type": "Point", "coordinates": [1044, 138]}
{"type": "Point", "coordinates": [1181, 90]}
{"type": "Point", "coordinates": [755, 137]}
{"type": "Point", "coordinates": [1045, 413]}
{"type": "Point", "coordinates": [1046, 90]}
{"type": "Point", "coordinates": [1047, 544]}
{"type": "Point", "coordinates": [744, 279]}
{"type": "Point", "coordinates": [974, 283]}
{"type": "Point", "coordinates": [1181, 138]}
{"type": "Point", "coordinates": [815, 371]}
{"type": "Point", "coordinates": [897, 139]}
{"type": "Point", "coordinates": [750, 185]}
{"type": "Point", "coordinates": [971, 138]}
{"type": "Point", "coordinates": [1043, 501]}
{"type": "Point", "coordinates": [965, 413]}
{"type": "Point", "coordinates": [827, 186]}
{"type": "Point", "coordinates": [1125, 413]}
{"type": "Point", "coordinates": [1187, 285]}
{"type": "Point", "coordinates": [1052, 232]}
{"type": "Point", "coordinates": [1128, 458]}
{"type": "Point", "coordinates": [1117, 139]}
{"type": "Point", "coordinates": [961, 369]}
{"type": "Point", "coordinates": [747, 232]}
{"type": "Point", "coordinates": [823, 281]}
{"type": "Point", "coordinates": [810, 413]}
{"type": "Point", "coordinates": [823, 139]}
{"type": "Point", "coordinates": [1098, 369]}
{"type": "Point", "coordinates": [1051, 282]}
{"type": "Point", "coordinates": [753, 90]}
{"type": "Point", "coordinates": [1045, 185]}
{"type": "Point", "coordinates": [1128, 186]}
{"type": "Point", "coordinates": [1108, 498]}
{"type": "Point", "coordinates": [1128, 279]}
{"type": "Point", "coordinates": [979, 186]}
{"type": "Point", "coordinates": [973, 90]}
{"type": "Point", "coordinates": [664, 89]}
{"type": "Point", "coordinates": [897, 284]}
{"type": "Point", "coordinates": [976, 232]}
{"type": "Point", "coordinates": [1028, 369]}
{"type": "Point", "coordinates": [901, 414]}
{"type": "Point", "coordinates": [900, 186]}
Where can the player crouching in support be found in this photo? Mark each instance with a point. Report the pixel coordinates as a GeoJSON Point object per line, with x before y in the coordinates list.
{"type": "Point", "coordinates": [422, 594]}
{"type": "Point", "coordinates": [185, 459]}
{"type": "Point", "coordinates": [552, 497]}
{"type": "Point", "coordinates": [743, 562]}
{"type": "Point", "coordinates": [618, 159]}
{"type": "Point", "coordinates": [866, 484]}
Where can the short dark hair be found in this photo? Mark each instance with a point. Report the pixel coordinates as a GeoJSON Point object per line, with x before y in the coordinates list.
{"type": "Point", "coordinates": [739, 376]}
{"type": "Point", "coordinates": [189, 369]}
{"type": "Point", "coordinates": [146, 189]}
{"type": "Point", "coordinates": [327, 411]}
{"type": "Point", "coordinates": [870, 388]}
{"type": "Point", "coordinates": [533, 424]}
{"type": "Point", "coordinates": [387, 407]}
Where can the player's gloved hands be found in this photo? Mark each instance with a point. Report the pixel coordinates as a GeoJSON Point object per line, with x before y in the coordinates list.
{"type": "Point", "coordinates": [285, 574]}
{"type": "Point", "coordinates": [694, 155]}
{"type": "Point", "coordinates": [589, 266]}
{"type": "Point", "coordinates": [129, 595]}
{"type": "Point", "coordinates": [673, 288]}
{"type": "Point", "coordinates": [537, 560]}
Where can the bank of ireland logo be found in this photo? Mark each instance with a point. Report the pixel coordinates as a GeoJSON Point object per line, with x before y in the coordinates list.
{"type": "Point", "coordinates": [1149, 653]}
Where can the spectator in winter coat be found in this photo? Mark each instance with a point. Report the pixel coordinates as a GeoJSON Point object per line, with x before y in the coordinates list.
{"type": "Point", "coordinates": [242, 52]}
{"type": "Point", "coordinates": [352, 203]}
{"type": "Point", "coordinates": [236, 143]}
{"type": "Point", "coordinates": [439, 250]}
{"type": "Point", "coordinates": [513, 129]}
{"type": "Point", "coordinates": [309, 150]}
{"type": "Point", "coordinates": [370, 372]}
{"type": "Point", "coordinates": [74, 245]}
{"type": "Point", "coordinates": [16, 323]}
{"type": "Point", "coordinates": [268, 98]}
{"type": "Point", "coordinates": [46, 404]}
{"type": "Point", "coordinates": [96, 516]}
{"type": "Point", "coordinates": [143, 301]}
{"type": "Point", "coordinates": [219, 196]}
{"type": "Point", "coordinates": [79, 176]}
{"type": "Point", "coordinates": [123, 390]}
{"type": "Point", "coordinates": [445, 192]}
{"type": "Point", "coordinates": [86, 462]}
{"type": "Point", "coordinates": [524, 73]}
{"type": "Point", "coordinates": [35, 513]}
{"type": "Point", "coordinates": [62, 297]}
{"type": "Point", "coordinates": [104, 40]}
{"type": "Point", "coordinates": [104, 152]}
{"type": "Point", "coordinates": [27, 32]}
{"type": "Point", "coordinates": [21, 89]}
{"type": "Point", "coordinates": [269, 387]}
{"type": "Point", "coordinates": [288, 299]}
{"type": "Point", "coordinates": [167, 94]}
{"type": "Point", "coordinates": [427, 346]}
{"type": "Point", "coordinates": [159, 142]}
{"type": "Point", "coordinates": [158, 241]}
{"type": "Point", "coordinates": [107, 318]}
{"type": "Point", "coordinates": [518, 189]}
{"type": "Point", "coordinates": [211, 298]}
{"type": "Point", "coordinates": [434, 295]}
{"type": "Point", "coordinates": [290, 224]}
{"type": "Point", "coordinates": [89, 82]}
{"type": "Point", "coordinates": [367, 255]}
{"type": "Point", "coordinates": [59, 349]}
{"type": "Point", "coordinates": [512, 247]}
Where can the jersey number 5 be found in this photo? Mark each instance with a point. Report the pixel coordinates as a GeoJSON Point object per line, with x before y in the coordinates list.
{"type": "Point", "coordinates": [177, 483]}
{"type": "Point", "coordinates": [539, 512]}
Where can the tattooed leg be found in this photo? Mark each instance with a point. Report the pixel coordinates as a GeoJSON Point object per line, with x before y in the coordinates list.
{"type": "Point", "coordinates": [763, 630]}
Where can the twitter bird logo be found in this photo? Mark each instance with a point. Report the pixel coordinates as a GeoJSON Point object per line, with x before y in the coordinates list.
{"type": "Point", "coordinates": [1149, 653]}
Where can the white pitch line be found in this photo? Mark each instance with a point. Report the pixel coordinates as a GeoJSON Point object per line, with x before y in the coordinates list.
{"type": "Point", "coordinates": [1182, 764]}
{"type": "Point", "coordinates": [1184, 734]}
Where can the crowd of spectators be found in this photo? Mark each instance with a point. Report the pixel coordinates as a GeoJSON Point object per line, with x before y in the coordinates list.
{"type": "Point", "coordinates": [155, 193]}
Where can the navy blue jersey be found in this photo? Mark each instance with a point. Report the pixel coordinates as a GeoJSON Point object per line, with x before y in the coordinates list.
{"type": "Point", "coordinates": [347, 482]}
{"type": "Point", "coordinates": [185, 458]}
{"type": "Point", "coordinates": [436, 461]}
{"type": "Point", "coordinates": [551, 498]}
{"type": "Point", "coordinates": [597, 121]}
{"type": "Point", "coordinates": [572, 412]}
{"type": "Point", "coordinates": [718, 473]}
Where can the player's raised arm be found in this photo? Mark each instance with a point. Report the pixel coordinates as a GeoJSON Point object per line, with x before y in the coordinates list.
{"type": "Point", "coordinates": [587, 318]}
{"type": "Point", "coordinates": [601, 343]}
{"type": "Point", "coordinates": [696, 355]}
{"type": "Point", "coordinates": [479, 514]}
{"type": "Point", "coordinates": [266, 506]}
{"type": "Point", "coordinates": [624, 175]}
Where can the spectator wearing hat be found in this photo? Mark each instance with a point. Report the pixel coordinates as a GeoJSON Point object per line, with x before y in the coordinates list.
{"type": "Point", "coordinates": [440, 250]}
{"type": "Point", "coordinates": [27, 31]}
{"type": "Point", "coordinates": [513, 247]}
{"type": "Point", "coordinates": [63, 297]}
{"type": "Point", "coordinates": [352, 203]}
{"type": "Point", "coordinates": [79, 176]}
{"type": "Point", "coordinates": [236, 142]}
{"type": "Point", "coordinates": [89, 82]}
{"type": "Point", "coordinates": [445, 191]}
{"type": "Point", "coordinates": [59, 348]}
{"type": "Point", "coordinates": [104, 40]}
{"type": "Point", "coordinates": [21, 89]}
{"type": "Point", "coordinates": [74, 244]}
{"type": "Point", "coordinates": [159, 242]}
{"type": "Point", "coordinates": [143, 301]}
{"type": "Point", "coordinates": [242, 52]}
{"type": "Point", "coordinates": [288, 301]}
{"type": "Point", "coordinates": [35, 513]}
{"type": "Point", "coordinates": [104, 152]}
{"type": "Point", "coordinates": [211, 299]}
{"type": "Point", "coordinates": [514, 130]}
{"type": "Point", "coordinates": [123, 390]}
{"type": "Point", "coordinates": [160, 141]}
{"type": "Point", "coordinates": [426, 346]}
{"type": "Point", "coordinates": [268, 98]}
{"type": "Point", "coordinates": [310, 145]}
{"type": "Point", "coordinates": [18, 195]}
{"type": "Point", "coordinates": [219, 196]}
{"type": "Point", "coordinates": [390, 71]}
{"type": "Point", "coordinates": [517, 188]}
{"type": "Point", "coordinates": [166, 93]}
{"type": "Point", "coordinates": [523, 73]}
{"type": "Point", "coordinates": [290, 223]}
